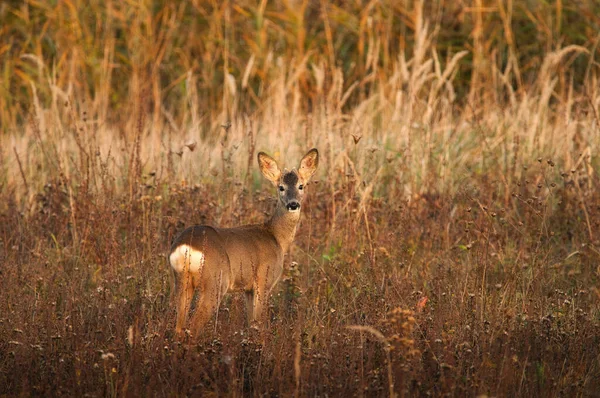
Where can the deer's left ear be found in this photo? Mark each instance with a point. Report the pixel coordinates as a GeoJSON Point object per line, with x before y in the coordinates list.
{"type": "Point", "coordinates": [308, 164]}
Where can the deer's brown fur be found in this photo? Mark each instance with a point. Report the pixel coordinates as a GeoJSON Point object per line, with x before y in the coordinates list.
{"type": "Point", "coordinates": [248, 258]}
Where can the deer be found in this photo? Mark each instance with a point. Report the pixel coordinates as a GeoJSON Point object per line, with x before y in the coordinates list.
{"type": "Point", "coordinates": [213, 261]}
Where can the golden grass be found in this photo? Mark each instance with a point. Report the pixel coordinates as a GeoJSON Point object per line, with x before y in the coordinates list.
{"type": "Point", "coordinates": [405, 103]}
{"type": "Point", "coordinates": [449, 247]}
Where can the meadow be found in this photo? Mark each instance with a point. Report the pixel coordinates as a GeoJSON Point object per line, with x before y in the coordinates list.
{"type": "Point", "coordinates": [449, 244]}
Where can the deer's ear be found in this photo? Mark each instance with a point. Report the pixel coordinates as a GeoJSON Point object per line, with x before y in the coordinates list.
{"type": "Point", "coordinates": [308, 164]}
{"type": "Point", "coordinates": [269, 168]}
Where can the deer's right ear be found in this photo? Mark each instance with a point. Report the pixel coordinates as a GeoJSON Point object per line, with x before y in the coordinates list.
{"type": "Point", "coordinates": [269, 168]}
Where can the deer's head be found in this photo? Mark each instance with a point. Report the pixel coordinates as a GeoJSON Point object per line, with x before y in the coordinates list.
{"type": "Point", "coordinates": [290, 184]}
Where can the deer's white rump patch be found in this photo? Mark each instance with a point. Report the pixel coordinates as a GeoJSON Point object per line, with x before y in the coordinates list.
{"type": "Point", "coordinates": [185, 256]}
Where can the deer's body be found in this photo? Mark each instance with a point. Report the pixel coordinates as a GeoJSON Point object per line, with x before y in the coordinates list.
{"type": "Point", "coordinates": [248, 258]}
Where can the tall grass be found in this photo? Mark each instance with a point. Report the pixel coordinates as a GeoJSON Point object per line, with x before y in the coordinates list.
{"type": "Point", "coordinates": [111, 53]}
{"type": "Point", "coordinates": [436, 100]}
{"type": "Point", "coordinates": [448, 247]}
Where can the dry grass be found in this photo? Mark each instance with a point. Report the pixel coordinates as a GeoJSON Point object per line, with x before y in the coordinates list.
{"type": "Point", "coordinates": [449, 247]}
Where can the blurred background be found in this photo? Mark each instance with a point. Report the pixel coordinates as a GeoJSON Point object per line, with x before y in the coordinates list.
{"type": "Point", "coordinates": [449, 243]}
{"type": "Point", "coordinates": [437, 84]}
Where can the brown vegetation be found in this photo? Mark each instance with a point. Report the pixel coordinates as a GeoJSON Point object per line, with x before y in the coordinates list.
{"type": "Point", "coordinates": [448, 245]}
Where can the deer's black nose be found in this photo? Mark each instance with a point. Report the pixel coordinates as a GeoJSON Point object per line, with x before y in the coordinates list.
{"type": "Point", "coordinates": [293, 206]}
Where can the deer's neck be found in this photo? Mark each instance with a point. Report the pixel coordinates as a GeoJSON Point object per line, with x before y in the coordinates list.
{"type": "Point", "coordinates": [283, 226]}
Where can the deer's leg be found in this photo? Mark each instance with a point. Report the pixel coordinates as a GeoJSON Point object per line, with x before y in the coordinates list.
{"type": "Point", "coordinates": [263, 287]}
{"type": "Point", "coordinates": [205, 307]}
{"type": "Point", "coordinates": [184, 291]}
{"type": "Point", "coordinates": [261, 297]}
{"type": "Point", "coordinates": [250, 302]}
{"type": "Point", "coordinates": [211, 295]}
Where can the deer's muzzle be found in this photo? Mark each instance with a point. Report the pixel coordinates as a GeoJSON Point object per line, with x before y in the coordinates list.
{"type": "Point", "coordinates": [293, 206]}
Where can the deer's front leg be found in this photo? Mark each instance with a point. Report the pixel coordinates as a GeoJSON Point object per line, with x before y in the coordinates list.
{"type": "Point", "coordinates": [263, 287]}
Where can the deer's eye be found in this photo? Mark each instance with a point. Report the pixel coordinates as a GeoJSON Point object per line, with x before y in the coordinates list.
{"type": "Point", "coordinates": [301, 187]}
{"type": "Point", "coordinates": [281, 188]}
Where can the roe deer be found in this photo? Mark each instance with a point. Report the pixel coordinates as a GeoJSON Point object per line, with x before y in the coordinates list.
{"type": "Point", "coordinates": [249, 258]}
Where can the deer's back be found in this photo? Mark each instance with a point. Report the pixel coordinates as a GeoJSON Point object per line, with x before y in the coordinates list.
{"type": "Point", "coordinates": [239, 251]}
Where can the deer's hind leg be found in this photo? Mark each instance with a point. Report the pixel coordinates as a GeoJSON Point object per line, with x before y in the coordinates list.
{"type": "Point", "coordinates": [210, 295]}
{"type": "Point", "coordinates": [249, 297]}
{"type": "Point", "coordinates": [184, 292]}
{"type": "Point", "coordinates": [186, 263]}
{"type": "Point", "coordinates": [213, 284]}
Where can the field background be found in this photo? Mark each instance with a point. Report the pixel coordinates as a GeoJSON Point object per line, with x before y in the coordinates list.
{"type": "Point", "coordinates": [450, 244]}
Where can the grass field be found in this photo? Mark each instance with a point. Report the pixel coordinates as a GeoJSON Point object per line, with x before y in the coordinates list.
{"type": "Point", "coordinates": [450, 240]}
